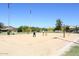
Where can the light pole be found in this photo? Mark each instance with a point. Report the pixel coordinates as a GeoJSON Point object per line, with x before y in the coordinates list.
{"type": "Point", "coordinates": [30, 25]}
{"type": "Point", "coordinates": [8, 14]}
{"type": "Point", "coordinates": [8, 18]}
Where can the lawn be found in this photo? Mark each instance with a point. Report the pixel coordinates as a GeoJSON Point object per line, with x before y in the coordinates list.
{"type": "Point", "coordinates": [74, 51]}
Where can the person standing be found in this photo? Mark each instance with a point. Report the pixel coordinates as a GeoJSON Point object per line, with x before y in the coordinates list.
{"type": "Point", "coordinates": [43, 33]}
{"type": "Point", "coordinates": [34, 34]}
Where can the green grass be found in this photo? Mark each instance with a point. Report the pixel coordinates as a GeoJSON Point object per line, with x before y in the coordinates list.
{"type": "Point", "coordinates": [74, 51]}
{"type": "Point", "coordinates": [3, 33]}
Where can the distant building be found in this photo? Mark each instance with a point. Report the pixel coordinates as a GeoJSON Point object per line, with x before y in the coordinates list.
{"type": "Point", "coordinates": [74, 29]}
{"type": "Point", "coordinates": [6, 28]}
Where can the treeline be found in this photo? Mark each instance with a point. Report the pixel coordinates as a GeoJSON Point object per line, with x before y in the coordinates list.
{"type": "Point", "coordinates": [30, 29]}
{"type": "Point", "coordinates": [59, 26]}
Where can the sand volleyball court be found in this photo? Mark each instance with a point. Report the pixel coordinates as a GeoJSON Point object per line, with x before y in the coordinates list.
{"type": "Point", "coordinates": [27, 45]}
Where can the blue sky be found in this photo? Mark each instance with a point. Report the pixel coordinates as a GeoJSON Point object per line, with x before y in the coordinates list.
{"type": "Point", "coordinates": [42, 15]}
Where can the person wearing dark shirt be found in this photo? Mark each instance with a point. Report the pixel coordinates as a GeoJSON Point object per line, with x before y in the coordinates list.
{"type": "Point", "coordinates": [34, 34]}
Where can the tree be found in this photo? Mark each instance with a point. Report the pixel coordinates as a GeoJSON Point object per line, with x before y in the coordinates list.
{"type": "Point", "coordinates": [19, 29]}
{"type": "Point", "coordinates": [1, 26]}
{"type": "Point", "coordinates": [67, 28]}
{"type": "Point", "coordinates": [23, 29]}
{"type": "Point", "coordinates": [30, 29]}
{"type": "Point", "coordinates": [44, 29]}
{"type": "Point", "coordinates": [58, 24]}
{"type": "Point", "coordinates": [76, 29]}
{"type": "Point", "coordinates": [50, 29]}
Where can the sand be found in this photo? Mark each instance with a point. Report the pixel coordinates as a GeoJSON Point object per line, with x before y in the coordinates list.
{"type": "Point", "coordinates": [26, 45]}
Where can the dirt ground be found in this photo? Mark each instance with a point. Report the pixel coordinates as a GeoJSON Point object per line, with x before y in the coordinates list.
{"type": "Point", "coordinates": [27, 45]}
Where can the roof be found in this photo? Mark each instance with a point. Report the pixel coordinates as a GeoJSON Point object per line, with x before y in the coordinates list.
{"type": "Point", "coordinates": [8, 28]}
